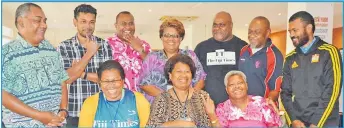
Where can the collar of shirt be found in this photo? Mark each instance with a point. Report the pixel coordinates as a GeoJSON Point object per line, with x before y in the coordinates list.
{"type": "Point", "coordinates": [44, 43]}
{"type": "Point", "coordinates": [267, 44]}
{"type": "Point", "coordinates": [180, 51]}
{"type": "Point", "coordinates": [115, 39]}
{"type": "Point", "coordinates": [76, 42]}
{"type": "Point", "coordinates": [254, 50]}
{"type": "Point", "coordinates": [305, 49]}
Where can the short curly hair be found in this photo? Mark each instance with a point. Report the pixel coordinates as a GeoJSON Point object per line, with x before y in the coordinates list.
{"type": "Point", "coordinates": [173, 23]}
{"type": "Point", "coordinates": [171, 63]}
{"type": "Point", "coordinates": [108, 65]}
{"type": "Point", "coordinates": [84, 8]}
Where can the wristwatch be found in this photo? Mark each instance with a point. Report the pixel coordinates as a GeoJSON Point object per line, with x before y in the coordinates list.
{"type": "Point", "coordinates": [64, 111]}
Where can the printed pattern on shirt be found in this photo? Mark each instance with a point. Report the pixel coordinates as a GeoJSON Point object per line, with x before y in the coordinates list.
{"type": "Point", "coordinates": [130, 60]}
{"type": "Point", "coordinates": [257, 109]}
{"type": "Point", "coordinates": [153, 70]}
{"type": "Point", "coordinates": [34, 76]}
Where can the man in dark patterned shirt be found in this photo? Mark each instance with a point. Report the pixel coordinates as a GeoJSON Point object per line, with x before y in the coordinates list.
{"type": "Point", "coordinates": [82, 54]}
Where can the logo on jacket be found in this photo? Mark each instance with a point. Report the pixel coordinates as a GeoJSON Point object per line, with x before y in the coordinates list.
{"type": "Point", "coordinates": [257, 64]}
{"type": "Point", "coordinates": [131, 112]}
{"type": "Point", "coordinates": [294, 65]}
{"type": "Point", "coordinates": [315, 58]}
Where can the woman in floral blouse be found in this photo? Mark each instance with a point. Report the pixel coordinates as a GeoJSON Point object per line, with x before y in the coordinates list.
{"type": "Point", "coordinates": [152, 80]}
{"type": "Point", "coordinates": [243, 110]}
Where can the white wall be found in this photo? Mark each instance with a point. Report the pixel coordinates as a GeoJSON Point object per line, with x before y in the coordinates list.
{"type": "Point", "coordinates": [194, 34]}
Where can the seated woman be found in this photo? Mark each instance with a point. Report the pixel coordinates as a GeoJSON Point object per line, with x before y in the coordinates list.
{"type": "Point", "coordinates": [243, 110]}
{"type": "Point", "coordinates": [182, 105]}
{"type": "Point", "coordinates": [114, 106]}
{"type": "Point", "coordinates": [152, 80]}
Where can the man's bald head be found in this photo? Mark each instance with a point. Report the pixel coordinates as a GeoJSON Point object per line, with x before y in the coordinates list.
{"type": "Point", "coordinates": [224, 15]}
{"type": "Point", "coordinates": [222, 26]}
{"type": "Point", "coordinates": [261, 20]}
{"type": "Point", "coordinates": [259, 31]}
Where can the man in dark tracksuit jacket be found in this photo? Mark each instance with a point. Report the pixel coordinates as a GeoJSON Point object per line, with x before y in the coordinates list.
{"type": "Point", "coordinates": [311, 77]}
{"type": "Point", "coordinates": [261, 61]}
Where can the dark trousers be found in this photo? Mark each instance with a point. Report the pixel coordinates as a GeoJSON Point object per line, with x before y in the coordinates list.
{"type": "Point", "coordinates": [72, 122]}
{"type": "Point", "coordinates": [341, 121]}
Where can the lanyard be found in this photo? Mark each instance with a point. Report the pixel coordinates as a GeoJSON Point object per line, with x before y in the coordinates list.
{"type": "Point", "coordinates": [184, 108]}
{"type": "Point", "coordinates": [107, 104]}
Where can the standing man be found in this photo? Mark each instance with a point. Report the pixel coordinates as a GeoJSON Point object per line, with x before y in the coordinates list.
{"type": "Point", "coordinates": [219, 55]}
{"type": "Point", "coordinates": [127, 49]}
{"type": "Point", "coordinates": [82, 55]}
{"type": "Point", "coordinates": [261, 61]}
{"type": "Point", "coordinates": [32, 74]}
{"type": "Point", "coordinates": [312, 77]}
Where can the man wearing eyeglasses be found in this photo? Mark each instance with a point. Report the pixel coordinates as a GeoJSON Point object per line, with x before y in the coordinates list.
{"type": "Point", "coordinates": [82, 54]}
{"type": "Point", "coordinates": [219, 55]}
{"type": "Point", "coordinates": [128, 49]}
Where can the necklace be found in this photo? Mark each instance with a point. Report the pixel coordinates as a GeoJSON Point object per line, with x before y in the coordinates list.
{"type": "Point", "coordinates": [184, 111]}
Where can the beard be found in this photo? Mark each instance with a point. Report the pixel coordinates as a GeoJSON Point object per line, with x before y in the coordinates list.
{"type": "Point", "coordinates": [256, 45]}
{"type": "Point", "coordinates": [221, 35]}
{"type": "Point", "coordinates": [302, 39]}
{"type": "Point", "coordinates": [86, 33]}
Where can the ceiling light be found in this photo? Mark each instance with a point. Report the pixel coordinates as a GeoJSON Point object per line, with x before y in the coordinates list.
{"type": "Point", "coordinates": [150, 10]}
{"type": "Point", "coordinates": [279, 14]}
{"type": "Point", "coordinates": [246, 25]}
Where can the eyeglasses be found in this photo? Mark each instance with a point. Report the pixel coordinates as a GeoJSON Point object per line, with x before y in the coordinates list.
{"type": "Point", "coordinates": [170, 35]}
{"type": "Point", "coordinates": [111, 82]}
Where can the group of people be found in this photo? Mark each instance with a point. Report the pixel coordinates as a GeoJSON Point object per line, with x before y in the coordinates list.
{"type": "Point", "coordinates": [120, 82]}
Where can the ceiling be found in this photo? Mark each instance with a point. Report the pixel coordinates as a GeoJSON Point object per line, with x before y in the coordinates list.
{"type": "Point", "coordinates": [147, 14]}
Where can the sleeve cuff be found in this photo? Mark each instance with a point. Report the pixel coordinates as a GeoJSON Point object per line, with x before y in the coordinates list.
{"type": "Point", "coordinates": [64, 76]}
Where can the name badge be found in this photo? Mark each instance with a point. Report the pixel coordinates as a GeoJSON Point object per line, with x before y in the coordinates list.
{"type": "Point", "coordinates": [221, 57]}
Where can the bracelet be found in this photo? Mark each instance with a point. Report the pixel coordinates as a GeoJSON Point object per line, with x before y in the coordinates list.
{"type": "Point", "coordinates": [215, 121]}
{"type": "Point", "coordinates": [64, 111]}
